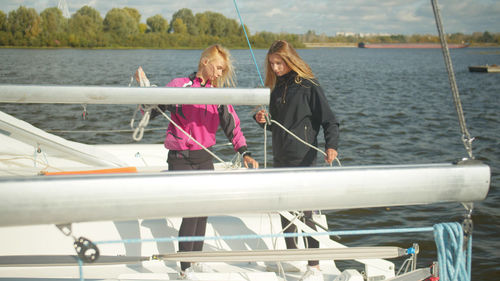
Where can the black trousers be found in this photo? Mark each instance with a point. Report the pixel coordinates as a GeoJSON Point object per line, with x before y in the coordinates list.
{"type": "Point", "coordinates": [190, 160]}
{"type": "Point", "coordinates": [291, 242]}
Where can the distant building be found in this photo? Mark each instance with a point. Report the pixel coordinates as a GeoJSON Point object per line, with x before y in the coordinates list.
{"type": "Point", "coordinates": [361, 35]}
{"type": "Point", "coordinates": [345, 34]}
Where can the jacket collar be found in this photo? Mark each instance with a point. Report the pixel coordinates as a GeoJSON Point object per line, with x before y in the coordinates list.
{"type": "Point", "coordinates": [287, 77]}
{"type": "Point", "coordinates": [193, 79]}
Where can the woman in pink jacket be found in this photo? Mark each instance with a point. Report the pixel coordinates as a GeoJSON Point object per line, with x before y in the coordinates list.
{"type": "Point", "coordinates": [201, 121]}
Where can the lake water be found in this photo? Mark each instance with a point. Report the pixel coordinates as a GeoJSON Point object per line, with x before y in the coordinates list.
{"type": "Point", "coordinates": [395, 107]}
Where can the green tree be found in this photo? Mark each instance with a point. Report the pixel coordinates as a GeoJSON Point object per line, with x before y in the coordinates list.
{"type": "Point", "coordinates": [54, 27]}
{"type": "Point", "coordinates": [86, 28]}
{"type": "Point", "coordinates": [231, 28]}
{"type": "Point", "coordinates": [157, 23]}
{"type": "Point", "coordinates": [487, 37]}
{"type": "Point", "coordinates": [134, 13]}
{"type": "Point", "coordinates": [187, 17]}
{"type": "Point", "coordinates": [143, 28]}
{"type": "Point", "coordinates": [203, 23]}
{"type": "Point", "coordinates": [456, 37]}
{"type": "Point", "coordinates": [24, 21]}
{"type": "Point", "coordinates": [214, 24]}
{"type": "Point", "coordinates": [120, 25]}
{"type": "Point", "coordinates": [179, 27]}
{"type": "Point", "coordinates": [3, 21]}
{"type": "Point", "coordinates": [5, 36]}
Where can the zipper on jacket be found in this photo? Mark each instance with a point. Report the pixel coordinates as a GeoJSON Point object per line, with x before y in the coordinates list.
{"type": "Point", "coordinates": [283, 96]}
{"type": "Point", "coordinates": [305, 134]}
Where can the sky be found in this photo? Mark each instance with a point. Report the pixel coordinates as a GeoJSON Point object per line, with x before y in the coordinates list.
{"type": "Point", "coordinates": [322, 16]}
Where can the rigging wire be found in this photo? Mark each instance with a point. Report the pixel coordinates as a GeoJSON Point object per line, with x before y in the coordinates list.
{"type": "Point", "coordinates": [248, 42]}
{"type": "Point", "coordinates": [466, 138]}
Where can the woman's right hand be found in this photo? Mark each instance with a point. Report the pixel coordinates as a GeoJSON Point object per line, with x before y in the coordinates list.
{"type": "Point", "coordinates": [260, 117]}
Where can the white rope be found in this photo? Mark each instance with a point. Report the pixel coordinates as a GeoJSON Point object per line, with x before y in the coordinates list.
{"type": "Point", "coordinates": [104, 131]}
{"type": "Point", "coordinates": [143, 81]}
{"type": "Point", "coordinates": [191, 137]}
{"type": "Point", "coordinates": [281, 270]}
{"type": "Point", "coordinates": [139, 130]}
{"type": "Point", "coordinates": [295, 136]}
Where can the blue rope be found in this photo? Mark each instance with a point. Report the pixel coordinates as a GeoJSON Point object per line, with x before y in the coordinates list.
{"type": "Point", "coordinates": [453, 265]}
{"type": "Point", "coordinates": [80, 268]}
{"type": "Point", "coordinates": [248, 42]}
{"type": "Point", "coordinates": [256, 236]}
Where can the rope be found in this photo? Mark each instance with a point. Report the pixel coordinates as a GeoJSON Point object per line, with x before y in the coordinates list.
{"type": "Point", "coordinates": [451, 256]}
{"type": "Point", "coordinates": [263, 107]}
{"type": "Point", "coordinates": [302, 141]}
{"type": "Point", "coordinates": [139, 131]}
{"type": "Point", "coordinates": [104, 131]}
{"type": "Point", "coordinates": [143, 81]}
{"type": "Point", "coordinates": [258, 72]}
{"type": "Point", "coordinates": [257, 236]}
{"type": "Point", "coordinates": [466, 138]}
{"type": "Point", "coordinates": [80, 269]}
{"type": "Point", "coordinates": [191, 137]}
{"type": "Point", "coordinates": [248, 42]}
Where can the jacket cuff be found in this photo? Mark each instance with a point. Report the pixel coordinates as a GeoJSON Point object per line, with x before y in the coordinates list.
{"type": "Point", "coordinates": [243, 151]}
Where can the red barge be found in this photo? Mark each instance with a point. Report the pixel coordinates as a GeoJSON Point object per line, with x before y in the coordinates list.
{"type": "Point", "coordinates": [408, 46]}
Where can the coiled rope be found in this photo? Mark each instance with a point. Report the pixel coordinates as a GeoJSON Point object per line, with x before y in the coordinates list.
{"type": "Point", "coordinates": [139, 130]}
{"type": "Point", "coordinates": [454, 261]}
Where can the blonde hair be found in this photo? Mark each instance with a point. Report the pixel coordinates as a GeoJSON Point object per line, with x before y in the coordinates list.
{"type": "Point", "coordinates": [227, 77]}
{"type": "Point", "coordinates": [293, 61]}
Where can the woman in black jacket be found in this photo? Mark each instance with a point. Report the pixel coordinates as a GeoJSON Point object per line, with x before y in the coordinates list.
{"type": "Point", "coordinates": [299, 104]}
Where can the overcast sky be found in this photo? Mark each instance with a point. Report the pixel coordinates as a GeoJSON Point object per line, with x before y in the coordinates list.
{"type": "Point", "coordinates": [322, 16]}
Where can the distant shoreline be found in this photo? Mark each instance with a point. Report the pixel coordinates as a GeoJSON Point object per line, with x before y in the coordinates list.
{"type": "Point", "coordinates": [355, 45]}
{"type": "Point", "coordinates": [307, 46]}
{"type": "Point", "coordinates": [331, 45]}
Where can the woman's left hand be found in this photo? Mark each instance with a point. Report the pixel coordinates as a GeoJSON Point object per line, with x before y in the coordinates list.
{"type": "Point", "coordinates": [331, 154]}
{"type": "Point", "coordinates": [249, 160]}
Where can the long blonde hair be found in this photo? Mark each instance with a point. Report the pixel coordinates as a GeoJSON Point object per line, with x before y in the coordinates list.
{"type": "Point", "coordinates": [291, 58]}
{"type": "Point", "coordinates": [227, 77]}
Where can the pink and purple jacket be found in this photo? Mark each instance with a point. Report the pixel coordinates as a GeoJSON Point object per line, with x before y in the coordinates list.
{"type": "Point", "coordinates": [201, 122]}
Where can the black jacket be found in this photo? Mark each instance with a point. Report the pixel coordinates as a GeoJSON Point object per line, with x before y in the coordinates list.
{"type": "Point", "coordinates": [301, 108]}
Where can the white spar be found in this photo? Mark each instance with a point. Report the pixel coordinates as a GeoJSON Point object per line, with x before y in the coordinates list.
{"type": "Point", "coordinates": [65, 199]}
{"type": "Point", "coordinates": [132, 95]}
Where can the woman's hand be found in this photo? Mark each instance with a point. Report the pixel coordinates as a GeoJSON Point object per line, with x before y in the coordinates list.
{"type": "Point", "coordinates": [331, 154]}
{"type": "Point", "coordinates": [247, 159]}
{"type": "Point", "coordinates": [260, 117]}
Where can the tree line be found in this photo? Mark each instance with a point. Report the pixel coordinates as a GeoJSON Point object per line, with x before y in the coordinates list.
{"type": "Point", "coordinates": [122, 28]}
{"type": "Point", "coordinates": [477, 38]}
